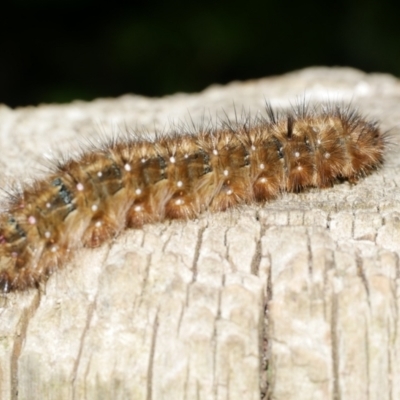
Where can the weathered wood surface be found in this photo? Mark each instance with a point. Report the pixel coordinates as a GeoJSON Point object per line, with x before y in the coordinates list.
{"type": "Point", "coordinates": [307, 285]}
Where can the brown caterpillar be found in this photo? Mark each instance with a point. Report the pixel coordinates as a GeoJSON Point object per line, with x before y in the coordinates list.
{"type": "Point", "coordinates": [127, 183]}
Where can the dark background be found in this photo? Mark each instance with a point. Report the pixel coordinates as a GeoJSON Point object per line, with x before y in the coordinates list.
{"type": "Point", "coordinates": [61, 50]}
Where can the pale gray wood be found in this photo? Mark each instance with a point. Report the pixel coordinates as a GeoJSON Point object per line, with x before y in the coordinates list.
{"type": "Point", "coordinates": [193, 310]}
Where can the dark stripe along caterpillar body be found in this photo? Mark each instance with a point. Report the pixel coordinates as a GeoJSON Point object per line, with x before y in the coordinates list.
{"type": "Point", "coordinates": [127, 183]}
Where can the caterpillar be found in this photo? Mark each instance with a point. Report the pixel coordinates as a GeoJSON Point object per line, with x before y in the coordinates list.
{"type": "Point", "coordinates": [125, 183]}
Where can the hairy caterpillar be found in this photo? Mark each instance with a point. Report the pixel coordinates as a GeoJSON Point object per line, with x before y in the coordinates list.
{"type": "Point", "coordinates": [127, 183]}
